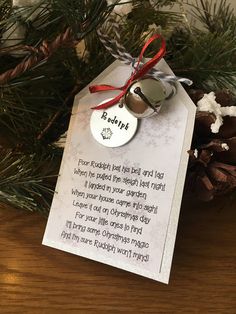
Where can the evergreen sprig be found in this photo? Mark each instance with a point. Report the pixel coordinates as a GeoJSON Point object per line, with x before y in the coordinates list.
{"type": "Point", "coordinates": [34, 96]}
{"type": "Point", "coordinates": [30, 101]}
{"type": "Point", "coordinates": [216, 17]}
{"type": "Point", "coordinates": [27, 181]}
{"type": "Point", "coordinates": [35, 105]}
{"type": "Point", "coordinates": [206, 53]}
{"type": "Point", "coordinates": [207, 59]}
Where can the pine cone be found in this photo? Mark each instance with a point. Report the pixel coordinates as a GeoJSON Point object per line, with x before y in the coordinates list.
{"type": "Point", "coordinates": [212, 164]}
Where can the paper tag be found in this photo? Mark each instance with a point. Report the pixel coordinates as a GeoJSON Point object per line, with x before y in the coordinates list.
{"type": "Point", "coordinates": [120, 206]}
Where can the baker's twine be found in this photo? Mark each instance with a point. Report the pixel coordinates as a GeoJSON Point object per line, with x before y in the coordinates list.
{"type": "Point", "coordinates": [118, 51]}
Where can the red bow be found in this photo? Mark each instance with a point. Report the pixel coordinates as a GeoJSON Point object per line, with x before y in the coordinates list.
{"type": "Point", "coordinates": [138, 73]}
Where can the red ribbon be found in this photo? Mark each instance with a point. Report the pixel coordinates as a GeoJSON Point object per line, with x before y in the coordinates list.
{"type": "Point", "coordinates": [137, 74]}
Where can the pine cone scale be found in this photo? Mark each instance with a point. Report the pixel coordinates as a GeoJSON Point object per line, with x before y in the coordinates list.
{"type": "Point", "coordinates": [212, 165]}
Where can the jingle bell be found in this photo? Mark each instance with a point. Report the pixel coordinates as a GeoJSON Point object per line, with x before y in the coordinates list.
{"type": "Point", "coordinates": [145, 97]}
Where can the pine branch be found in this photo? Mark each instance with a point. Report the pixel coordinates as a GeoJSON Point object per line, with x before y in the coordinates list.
{"type": "Point", "coordinates": [206, 61]}
{"type": "Point", "coordinates": [41, 90]}
{"type": "Point", "coordinates": [27, 181]}
{"type": "Point", "coordinates": [216, 17]}
{"type": "Point", "coordinates": [27, 103]}
{"type": "Point", "coordinates": [5, 8]}
{"type": "Point", "coordinates": [35, 104]}
{"type": "Point", "coordinates": [142, 17]}
{"type": "Point", "coordinates": [208, 57]}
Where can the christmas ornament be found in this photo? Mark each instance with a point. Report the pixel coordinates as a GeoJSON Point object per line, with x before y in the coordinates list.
{"type": "Point", "coordinates": [105, 125]}
{"type": "Point", "coordinates": [143, 92]}
{"type": "Point", "coordinates": [140, 70]}
{"type": "Point", "coordinates": [145, 97]}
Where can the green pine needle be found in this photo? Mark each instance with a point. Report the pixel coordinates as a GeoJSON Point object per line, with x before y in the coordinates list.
{"type": "Point", "coordinates": [27, 181]}
{"type": "Point", "coordinates": [203, 52]}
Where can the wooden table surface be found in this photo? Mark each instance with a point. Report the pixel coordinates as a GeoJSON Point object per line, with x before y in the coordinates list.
{"type": "Point", "coordinates": [39, 279]}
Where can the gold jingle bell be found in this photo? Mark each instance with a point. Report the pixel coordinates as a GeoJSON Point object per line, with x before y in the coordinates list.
{"type": "Point", "coordinates": [144, 97]}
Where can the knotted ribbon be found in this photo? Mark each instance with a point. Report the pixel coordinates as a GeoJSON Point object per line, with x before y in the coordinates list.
{"type": "Point", "coordinates": [139, 72]}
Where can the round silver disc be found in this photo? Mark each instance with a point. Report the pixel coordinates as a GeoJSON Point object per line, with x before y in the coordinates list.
{"type": "Point", "coordinates": [113, 127]}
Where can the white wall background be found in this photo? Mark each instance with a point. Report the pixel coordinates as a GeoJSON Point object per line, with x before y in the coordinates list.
{"type": "Point", "coordinates": [232, 2]}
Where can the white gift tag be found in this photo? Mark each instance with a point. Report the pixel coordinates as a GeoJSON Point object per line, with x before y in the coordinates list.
{"type": "Point", "coordinates": [114, 126]}
{"type": "Point", "coordinates": [120, 206]}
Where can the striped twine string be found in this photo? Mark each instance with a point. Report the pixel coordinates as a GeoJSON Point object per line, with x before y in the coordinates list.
{"type": "Point", "coordinates": [118, 51]}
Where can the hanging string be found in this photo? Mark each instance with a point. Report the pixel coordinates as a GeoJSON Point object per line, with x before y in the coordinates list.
{"type": "Point", "coordinates": [140, 69]}
{"type": "Point", "coordinates": [118, 51]}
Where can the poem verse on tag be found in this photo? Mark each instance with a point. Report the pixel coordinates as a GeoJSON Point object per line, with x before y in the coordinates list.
{"type": "Point", "coordinates": [112, 210]}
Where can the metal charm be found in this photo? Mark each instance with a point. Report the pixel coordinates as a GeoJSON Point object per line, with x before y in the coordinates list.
{"type": "Point", "coordinates": [145, 97]}
{"type": "Point", "coordinates": [114, 126]}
